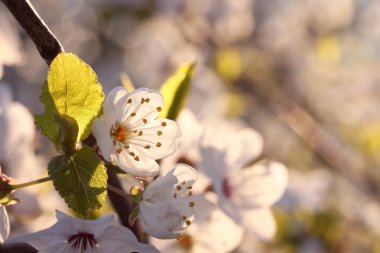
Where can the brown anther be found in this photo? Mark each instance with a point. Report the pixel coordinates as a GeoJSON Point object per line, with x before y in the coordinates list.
{"type": "Point", "coordinates": [129, 101]}
{"type": "Point", "coordinates": [191, 204]}
{"type": "Point", "coordinates": [174, 195]}
{"type": "Point", "coordinates": [188, 222]}
{"type": "Point", "coordinates": [179, 237]}
{"type": "Point", "coordinates": [163, 124]}
{"type": "Point", "coordinates": [118, 151]}
{"type": "Point", "coordinates": [144, 121]}
{"type": "Point", "coordinates": [158, 144]}
{"type": "Point", "coordinates": [140, 133]}
{"type": "Point", "coordinates": [137, 158]}
{"type": "Point", "coordinates": [132, 154]}
{"type": "Point", "coordinates": [178, 187]}
{"type": "Point", "coordinates": [183, 182]}
{"type": "Point", "coordinates": [184, 217]}
{"type": "Point", "coordinates": [147, 147]}
{"type": "Point", "coordinates": [190, 187]}
{"type": "Point", "coordinates": [133, 114]}
{"type": "Point", "coordinates": [190, 193]}
{"type": "Point", "coordinates": [159, 109]}
{"type": "Point", "coordinates": [126, 146]}
{"type": "Point", "coordinates": [159, 133]}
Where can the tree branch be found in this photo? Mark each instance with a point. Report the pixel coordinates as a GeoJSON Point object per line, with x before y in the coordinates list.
{"type": "Point", "coordinates": [124, 206]}
{"type": "Point", "coordinates": [47, 45]}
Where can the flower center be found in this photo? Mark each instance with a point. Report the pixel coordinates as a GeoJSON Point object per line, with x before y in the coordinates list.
{"type": "Point", "coordinates": [120, 133]}
{"type": "Point", "coordinates": [82, 241]}
{"type": "Point", "coordinates": [185, 241]}
{"type": "Point", "coordinates": [227, 188]}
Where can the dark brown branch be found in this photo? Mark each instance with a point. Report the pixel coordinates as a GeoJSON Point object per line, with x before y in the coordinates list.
{"type": "Point", "coordinates": [124, 206]}
{"type": "Point", "coordinates": [17, 248]}
{"type": "Point", "coordinates": [47, 45]}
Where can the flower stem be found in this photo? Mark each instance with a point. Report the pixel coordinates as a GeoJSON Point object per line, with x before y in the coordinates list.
{"type": "Point", "coordinates": [117, 191]}
{"type": "Point", "coordinates": [23, 185]}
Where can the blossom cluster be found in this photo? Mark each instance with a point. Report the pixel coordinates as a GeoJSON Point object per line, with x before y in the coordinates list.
{"type": "Point", "coordinates": [130, 136]}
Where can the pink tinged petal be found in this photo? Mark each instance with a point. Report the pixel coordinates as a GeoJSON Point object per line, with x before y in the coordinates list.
{"type": "Point", "coordinates": [260, 185]}
{"type": "Point", "coordinates": [243, 148]}
{"type": "Point", "coordinates": [59, 247]}
{"type": "Point", "coordinates": [259, 222]}
{"type": "Point", "coordinates": [101, 133]}
{"type": "Point", "coordinates": [121, 239]}
{"type": "Point", "coordinates": [157, 139]}
{"type": "Point", "coordinates": [4, 225]}
{"type": "Point", "coordinates": [132, 162]}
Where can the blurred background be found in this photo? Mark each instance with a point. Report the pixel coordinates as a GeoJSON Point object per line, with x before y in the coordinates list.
{"type": "Point", "coordinates": [304, 73]}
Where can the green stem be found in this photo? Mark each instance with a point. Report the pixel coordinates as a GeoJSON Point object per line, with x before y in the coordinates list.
{"type": "Point", "coordinates": [23, 185]}
{"type": "Point", "coordinates": [117, 191]}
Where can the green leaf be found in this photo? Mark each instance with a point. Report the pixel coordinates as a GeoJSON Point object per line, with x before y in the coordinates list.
{"type": "Point", "coordinates": [81, 179]}
{"type": "Point", "coordinates": [68, 133]}
{"type": "Point", "coordinates": [72, 89]}
{"type": "Point", "coordinates": [175, 91]}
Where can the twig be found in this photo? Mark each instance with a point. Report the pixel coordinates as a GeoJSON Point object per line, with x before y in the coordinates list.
{"type": "Point", "coordinates": [47, 45]}
{"type": "Point", "coordinates": [328, 147]}
{"type": "Point", "coordinates": [124, 205]}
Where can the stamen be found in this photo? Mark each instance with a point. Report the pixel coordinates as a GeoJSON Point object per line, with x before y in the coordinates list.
{"type": "Point", "coordinates": [158, 144]}
{"type": "Point", "coordinates": [191, 204]}
{"type": "Point", "coordinates": [159, 133]}
{"type": "Point", "coordinates": [163, 124]}
{"type": "Point", "coordinates": [82, 241]}
{"type": "Point", "coordinates": [159, 109]}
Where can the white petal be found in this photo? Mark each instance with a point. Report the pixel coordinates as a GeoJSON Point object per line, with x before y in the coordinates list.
{"type": "Point", "coordinates": [59, 247]}
{"type": "Point", "coordinates": [159, 219]}
{"type": "Point", "coordinates": [4, 224]}
{"type": "Point", "coordinates": [140, 104]}
{"type": "Point", "coordinates": [101, 132]}
{"type": "Point", "coordinates": [260, 185]}
{"type": "Point", "coordinates": [136, 164]}
{"type": "Point", "coordinates": [121, 239]}
{"type": "Point", "coordinates": [183, 173]}
{"type": "Point", "coordinates": [158, 139]}
{"type": "Point", "coordinates": [259, 222]}
{"type": "Point", "coordinates": [114, 103]}
{"type": "Point", "coordinates": [243, 148]}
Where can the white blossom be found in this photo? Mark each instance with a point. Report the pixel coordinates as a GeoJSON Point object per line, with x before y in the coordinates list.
{"type": "Point", "coordinates": [167, 205]}
{"type": "Point", "coordinates": [212, 231]}
{"type": "Point", "coordinates": [129, 134]}
{"type": "Point", "coordinates": [245, 192]}
{"type": "Point", "coordinates": [73, 235]}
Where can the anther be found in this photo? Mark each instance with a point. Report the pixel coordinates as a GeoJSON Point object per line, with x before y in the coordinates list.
{"type": "Point", "coordinates": [158, 144]}
{"type": "Point", "coordinates": [191, 204]}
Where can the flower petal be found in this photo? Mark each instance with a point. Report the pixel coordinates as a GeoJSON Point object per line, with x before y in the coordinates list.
{"type": "Point", "coordinates": [121, 239]}
{"type": "Point", "coordinates": [140, 106]}
{"type": "Point", "coordinates": [243, 148]}
{"type": "Point", "coordinates": [101, 130]}
{"type": "Point", "coordinates": [260, 185]}
{"type": "Point", "coordinates": [134, 163]}
{"type": "Point", "coordinates": [259, 222]}
{"type": "Point", "coordinates": [4, 224]}
{"type": "Point", "coordinates": [113, 103]}
{"type": "Point", "coordinates": [157, 139]}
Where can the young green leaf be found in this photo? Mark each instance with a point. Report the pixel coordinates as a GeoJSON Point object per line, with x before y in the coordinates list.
{"type": "Point", "coordinates": [81, 179]}
{"type": "Point", "coordinates": [175, 91]}
{"type": "Point", "coordinates": [72, 89]}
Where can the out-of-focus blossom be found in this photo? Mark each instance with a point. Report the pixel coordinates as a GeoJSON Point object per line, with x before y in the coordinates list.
{"type": "Point", "coordinates": [211, 231]}
{"type": "Point", "coordinates": [73, 235]}
{"type": "Point", "coordinates": [4, 220]}
{"type": "Point", "coordinates": [129, 135]}
{"type": "Point", "coordinates": [307, 190]}
{"type": "Point", "coordinates": [9, 42]}
{"type": "Point", "coordinates": [4, 224]}
{"type": "Point", "coordinates": [167, 205]}
{"type": "Point", "coordinates": [245, 192]}
{"type": "Point", "coordinates": [17, 133]}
